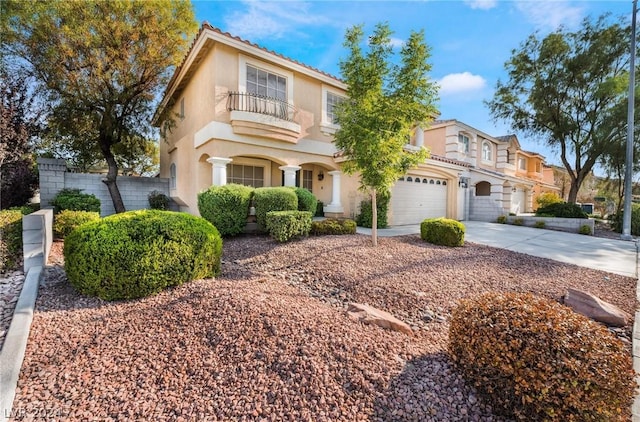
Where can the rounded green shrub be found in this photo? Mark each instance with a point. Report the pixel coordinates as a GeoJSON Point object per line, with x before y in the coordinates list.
{"type": "Point", "coordinates": [442, 231]}
{"type": "Point", "coordinates": [635, 220]}
{"type": "Point", "coordinates": [331, 226]}
{"type": "Point", "coordinates": [540, 224]}
{"type": "Point", "coordinates": [75, 200]}
{"type": "Point", "coordinates": [226, 207]}
{"type": "Point", "coordinates": [585, 229]}
{"type": "Point", "coordinates": [502, 219]}
{"type": "Point", "coordinates": [67, 221]}
{"type": "Point", "coordinates": [365, 218]}
{"type": "Point", "coordinates": [537, 360]}
{"type": "Point", "coordinates": [273, 199]}
{"type": "Point", "coordinates": [158, 200]}
{"type": "Point", "coordinates": [306, 200]}
{"type": "Point", "coordinates": [547, 198]}
{"type": "Point", "coordinates": [562, 210]}
{"type": "Point", "coordinates": [139, 253]}
{"type": "Point", "coordinates": [285, 225]}
{"type": "Point", "coordinates": [518, 222]}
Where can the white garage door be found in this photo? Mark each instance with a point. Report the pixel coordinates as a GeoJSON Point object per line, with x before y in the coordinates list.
{"type": "Point", "coordinates": [517, 201]}
{"type": "Point", "coordinates": [415, 198]}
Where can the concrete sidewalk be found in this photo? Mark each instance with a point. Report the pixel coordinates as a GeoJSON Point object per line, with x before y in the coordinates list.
{"type": "Point", "coordinates": [614, 256]}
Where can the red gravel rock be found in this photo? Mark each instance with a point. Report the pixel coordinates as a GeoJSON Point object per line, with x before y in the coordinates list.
{"type": "Point", "coordinates": [270, 339]}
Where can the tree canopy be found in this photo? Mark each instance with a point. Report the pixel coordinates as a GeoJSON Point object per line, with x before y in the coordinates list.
{"type": "Point", "coordinates": [566, 88]}
{"type": "Point", "coordinates": [385, 103]}
{"type": "Point", "coordinates": [102, 64]}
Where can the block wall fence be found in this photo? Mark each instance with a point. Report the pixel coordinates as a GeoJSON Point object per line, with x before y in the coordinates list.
{"type": "Point", "coordinates": [54, 176]}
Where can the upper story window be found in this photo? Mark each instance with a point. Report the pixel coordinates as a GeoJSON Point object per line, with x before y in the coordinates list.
{"type": "Point", "coordinates": [182, 108]}
{"type": "Point", "coordinates": [538, 167]}
{"type": "Point", "coordinates": [487, 151]}
{"type": "Point", "coordinates": [522, 163]}
{"type": "Point", "coordinates": [332, 101]}
{"type": "Point", "coordinates": [266, 84]}
{"type": "Point", "coordinates": [463, 143]}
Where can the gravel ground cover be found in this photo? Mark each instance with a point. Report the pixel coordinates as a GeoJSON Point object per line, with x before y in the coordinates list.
{"type": "Point", "coordinates": [269, 339]}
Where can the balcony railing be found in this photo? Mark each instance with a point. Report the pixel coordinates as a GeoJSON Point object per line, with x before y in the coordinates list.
{"type": "Point", "coordinates": [268, 106]}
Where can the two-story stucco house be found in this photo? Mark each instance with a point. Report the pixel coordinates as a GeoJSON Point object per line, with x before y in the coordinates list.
{"type": "Point", "coordinates": [503, 178]}
{"type": "Point", "coordinates": [251, 116]}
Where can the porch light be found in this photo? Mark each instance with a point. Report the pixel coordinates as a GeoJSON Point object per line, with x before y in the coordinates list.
{"type": "Point", "coordinates": [320, 176]}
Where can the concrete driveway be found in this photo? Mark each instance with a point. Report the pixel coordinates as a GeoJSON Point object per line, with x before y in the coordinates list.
{"type": "Point", "coordinates": [614, 256]}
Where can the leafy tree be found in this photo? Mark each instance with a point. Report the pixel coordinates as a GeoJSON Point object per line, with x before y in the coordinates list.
{"type": "Point", "coordinates": [385, 103]}
{"type": "Point", "coordinates": [102, 63]}
{"type": "Point", "coordinates": [19, 127]}
{"type": "Point", "coordinates": [565, 89]}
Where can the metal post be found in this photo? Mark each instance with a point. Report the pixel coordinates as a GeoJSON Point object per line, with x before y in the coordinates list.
{"type": "Point", "coordinates": [628, 175]}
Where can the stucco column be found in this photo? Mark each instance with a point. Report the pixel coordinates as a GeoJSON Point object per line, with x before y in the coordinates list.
{"type": "Point", "coordinates": [335, 206]}
{"type": "Point", "coordinates": [290, 174]}
{"type": "Point", "coordinates": [219, 169]}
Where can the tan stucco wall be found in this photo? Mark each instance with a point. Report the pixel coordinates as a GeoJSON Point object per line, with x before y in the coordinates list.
{"type": "Point", "coordinates": [434, 139]}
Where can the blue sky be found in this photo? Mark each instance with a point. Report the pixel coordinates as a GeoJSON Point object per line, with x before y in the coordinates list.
{"type": "Point", "coordinates": [470, 40]}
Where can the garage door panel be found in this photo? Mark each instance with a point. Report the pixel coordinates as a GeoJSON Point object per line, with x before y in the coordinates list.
{"type": "Point", "coordinates": [412, 202]}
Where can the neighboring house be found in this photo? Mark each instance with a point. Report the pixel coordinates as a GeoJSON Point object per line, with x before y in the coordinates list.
{"type": "Point", "coordinates": [251, 116]}
{"type": "Point", "coordinates": [503, 178]}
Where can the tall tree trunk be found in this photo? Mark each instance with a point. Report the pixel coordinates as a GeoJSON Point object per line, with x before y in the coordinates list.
{"type": "Point", "coordinates": [110, 180]}
{"type": "Point", "coordinates": [374, 217]}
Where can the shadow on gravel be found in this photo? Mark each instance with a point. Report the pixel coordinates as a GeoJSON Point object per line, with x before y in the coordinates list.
{"type": "Point", "coordinates": [429, 388]}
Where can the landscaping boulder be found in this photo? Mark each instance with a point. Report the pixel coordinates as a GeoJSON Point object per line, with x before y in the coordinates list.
{"type": "Point", "coordinates": [371, 315]}
{"type": "Point", "coordinates": [593, 307]}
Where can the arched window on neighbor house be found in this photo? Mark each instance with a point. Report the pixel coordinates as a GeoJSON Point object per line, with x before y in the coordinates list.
{"type": "Point", "coordinates": [487, 151]}
{"type": "Point", "coordinates": [483, 189]}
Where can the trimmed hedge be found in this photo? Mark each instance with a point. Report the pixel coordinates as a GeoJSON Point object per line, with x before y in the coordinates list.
{"type": "Point", "coordinates": [139, 253]}
{"type": "Point", "coordinates": [535, 359]}
{"type": "Point", "coordinates": [75, 200]}
{"type": "Point", "coordinates": [635, 220]}
{"type": "Point", "coordinates": [562, 210]}
{"type": "Point", "coordinates": [285, 225]}
{"type": "Point", "coordinates": [226, 207]}
{"type": "Point", "coordinates": [442, 231]}
{"type": "Point", "coordinates": [306, 200]}
{"type": "Point", "coordinates": [67, 221]}
{"type": "Point", "coordinates": [158, 200]}
{"type": "Point", "coordinates": [10, 238]}
{"type": "Point", "coordinates": [365, 218]}
{"type": "Point", "coordinates": [273, 199]}
{"type": "Point", "coordinates": [333, 226]}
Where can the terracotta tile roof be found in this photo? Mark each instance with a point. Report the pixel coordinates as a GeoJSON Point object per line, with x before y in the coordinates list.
{"type": "Point", "coordinates": [449, 160]}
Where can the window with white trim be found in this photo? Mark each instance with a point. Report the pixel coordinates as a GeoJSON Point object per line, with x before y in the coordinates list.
{"type": "Point", "coordinates": [332, 101]}
{"type": "Point", "coordinates": [463, 143]}
{"type": "Point", "coordinates": [245, 175]}
{"type": "Point", "coordinates": [266, 84]}
{"type": "Point", "coordinates": [182, 109]}
{"type": "Point", "coordinates": [487, 151]}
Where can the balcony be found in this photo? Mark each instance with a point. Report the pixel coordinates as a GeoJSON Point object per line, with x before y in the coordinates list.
{"type": "Point", "coordinates": [266, 117]}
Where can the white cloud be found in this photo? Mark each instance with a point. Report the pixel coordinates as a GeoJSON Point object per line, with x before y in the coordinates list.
{"type": "Point", "coordinates": [266, 19]}
{"type": "Point", "coordinates": [457, 83]}
{"type": "Point", "coordinates": [551, 14]}
{"type": "Point", "coordinates": [481, 4]}
{"type": "Point", "coordinates": [397, 42]}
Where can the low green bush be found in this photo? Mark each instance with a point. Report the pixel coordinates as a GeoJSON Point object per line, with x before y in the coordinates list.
{"type": "Point", "coordinates": [226, 207]}
{"type": "Point", "coordinates": [540, 224]}
{"type": "Point", "coordinates": [548, 198]}
{"type": "Point", "coordinates": [365, 218]}
{"type": "Point", "coordinates": [518, 222]}
{"type": "Point", "coordinates": [285, 225]}
{"type": "Point", "coordinates": [442, 231]}
{"type": "Point", "coordinates": [502, 219]}
{"type": "Point", "coordinates": [585, 229]}
{"type": "Point", "coordinates": [67, 221]}
{"type": "Point", "coordinates": [158, 200]}
{"type": "Point", "coordinates": [306, 200]}
{"type": "Point", "coordinates": [536, 360]}
{"type": "Point", "coordinates": [331, 226]}
{"type": "Point", "coordinates": [562, 210]}
{"type": "Point", "coordinates": [139, 253]}
{"type": "Point", "coordinates": [75, 200]}
{"type": "Point", "coordinates": [273, 199]}
{"type": "Point", "coordinates": [10, 239]}
{"type": "Point", "coordinates": [320, 209]}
